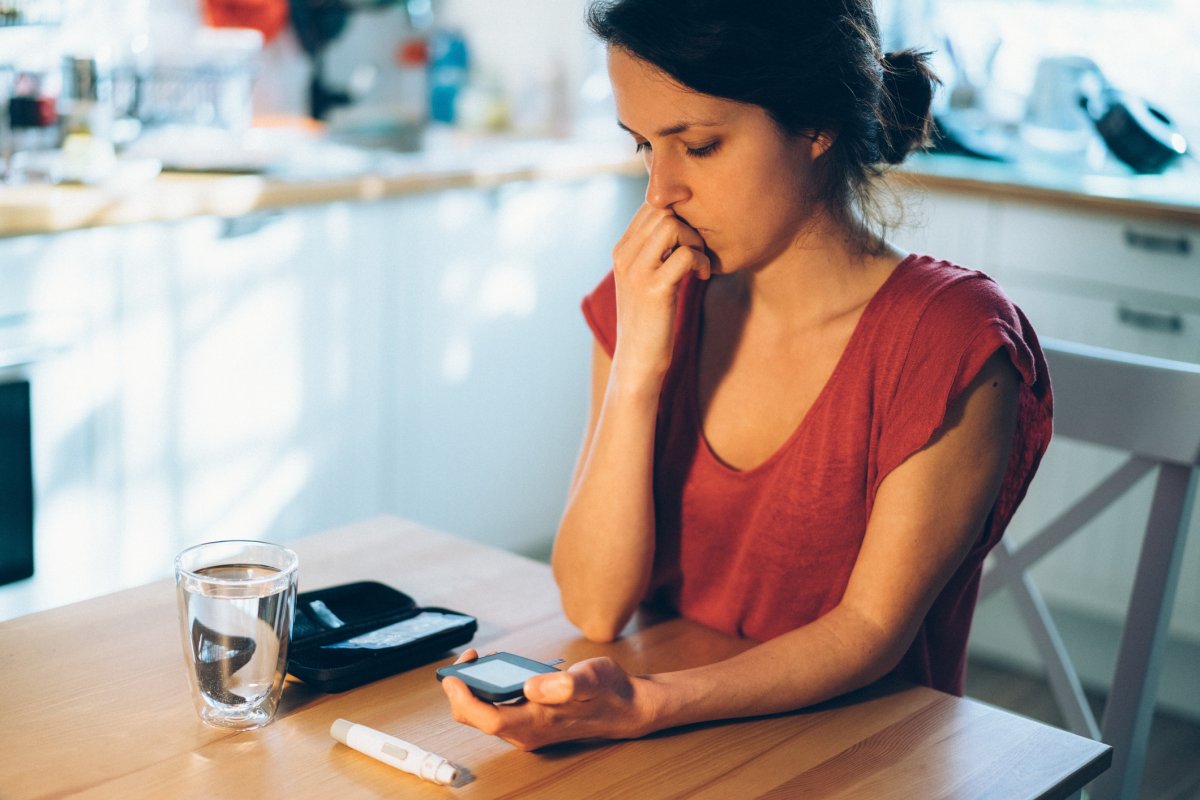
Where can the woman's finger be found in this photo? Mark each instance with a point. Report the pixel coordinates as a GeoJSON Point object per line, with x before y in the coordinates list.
{"type": "Point", "coordinates": [642, 218]}
{"type": "Point", "coordinates": [684, 260]}
{"type": "Point", "coordinates": [470, 710]}
{"type": "Point", "coordinates": [687, 235]}
{"type": "Point", "coordinates": [470, 654]}
{"type": "Point", "coordinates": [668, 235]}
{"type": "Point", "coordinates": [583, 682]}
{"type": "Point", "coordinates": [551, 688]}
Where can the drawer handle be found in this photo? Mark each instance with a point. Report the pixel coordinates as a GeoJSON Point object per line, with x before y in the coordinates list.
{"type": "Point", "coordinates": [247, 225]}
{"type": "Point", "coordinates": [26, 356]}
{"type": "Point", "coordinates": [1158, 242]}
{"type": "Point", "coordinates": [15, 320]}
{"type": "Point", "coordinates": [1156, 321]}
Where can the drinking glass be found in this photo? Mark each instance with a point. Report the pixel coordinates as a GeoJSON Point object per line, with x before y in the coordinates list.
{"type": "Point", "coordinates": [236, 602]}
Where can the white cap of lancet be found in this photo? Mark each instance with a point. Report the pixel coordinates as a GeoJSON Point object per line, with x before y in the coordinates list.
{"type": "Point", "coordinates": [340, 729]}
{"type": "Point", "coordinates": [437, 769]}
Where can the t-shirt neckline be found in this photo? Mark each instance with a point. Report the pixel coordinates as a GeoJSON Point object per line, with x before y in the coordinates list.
{"type": "Point", "coordinates": [693, 378]}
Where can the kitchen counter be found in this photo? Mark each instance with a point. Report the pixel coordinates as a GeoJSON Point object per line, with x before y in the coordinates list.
{"type": "Point", "coordinates": [1172, 196]}
{"type": "Point", "coordinates": [321, 173]}
{"type": "Point", "coordinates": [313, 173]}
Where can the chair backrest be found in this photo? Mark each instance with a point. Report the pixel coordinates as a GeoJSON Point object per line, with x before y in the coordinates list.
{"type": "Point", "coordinates": [1147, 406]}
{"type": "Point", "coordinates": [1150, 408]}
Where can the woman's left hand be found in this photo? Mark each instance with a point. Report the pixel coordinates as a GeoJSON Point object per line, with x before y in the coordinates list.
{"type": "Point", "coordinates": [593, 699]}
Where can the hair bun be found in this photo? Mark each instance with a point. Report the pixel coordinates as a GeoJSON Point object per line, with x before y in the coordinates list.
{"type": "Point", "coordinates": [908, 85]}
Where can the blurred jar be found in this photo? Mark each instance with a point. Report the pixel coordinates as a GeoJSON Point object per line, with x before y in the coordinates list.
{"type": "Point", "coordinates": [32, 116]}
{"type": "Point", "coordinates": [203, 79]}
{"type": "Point", "coordinates": [86, 105]}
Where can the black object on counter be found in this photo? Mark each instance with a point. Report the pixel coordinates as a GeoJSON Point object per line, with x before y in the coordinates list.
{"type": "Point", "coordinates": [25, 111]}
{"type": "Point", "coordinates": [16, 483]}
{"type": "Point", "coordinates": [951, 133]}
{"type": "Point", "coordinates": [1136, 132]}
{"type": "Point", "coordinates": [348, 635]}
{"type": "Point", "coordinates": [317, 24]}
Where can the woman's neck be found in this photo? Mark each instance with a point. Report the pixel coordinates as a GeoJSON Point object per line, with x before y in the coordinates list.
{"type": "Point", "coordinates": [824, 274]}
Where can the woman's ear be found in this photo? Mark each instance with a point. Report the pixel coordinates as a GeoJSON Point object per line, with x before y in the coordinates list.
{"type": "Point", "coordinates": [821, 143]}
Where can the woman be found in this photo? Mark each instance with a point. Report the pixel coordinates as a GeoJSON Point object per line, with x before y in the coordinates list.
{"type": "Point", "coordinates": [799, 434]}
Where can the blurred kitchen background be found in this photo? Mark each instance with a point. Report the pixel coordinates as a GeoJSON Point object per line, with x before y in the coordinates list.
{"type": "Point", "coordinates": [272, 266]}
{"type": "Point", "coordinates": [259, 367]}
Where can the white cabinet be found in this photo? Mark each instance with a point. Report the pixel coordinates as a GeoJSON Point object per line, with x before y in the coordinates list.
{"type": "Point", "coordinates": [955, 227]}
{"type": "Point", "coordinates": [281, 373]}
{"type": "Point", "coordinates": [246, 380]}
{"type": "Point", "coordinates": [56, 312]}
{"type": "Point", "coordinates": [1102, 278]}
{"type": "Point", "coordinates": [214, 378]}
{"type": "Point", "coordinates": [1097, 249]}
{"type": "Point", "coordinates": [491, 404]}
{"type": "Point", "coordinates": [1119, 318]}
{"type": "Point", "coordinates": [1118, 281]}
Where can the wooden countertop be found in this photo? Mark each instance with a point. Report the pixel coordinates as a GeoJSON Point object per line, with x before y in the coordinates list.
{"type": "Point", "coordinates": [1171, 197]}
{"type": "Point", "coordinates": [27, 209]}
{"type": "Point", "coordinates": [45, 208]}
{"type": "Point", "coordinates": [95, 703]}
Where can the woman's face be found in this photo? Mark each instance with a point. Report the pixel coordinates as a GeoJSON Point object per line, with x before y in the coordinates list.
{"type": "Point", "coordinates": [722, 167]}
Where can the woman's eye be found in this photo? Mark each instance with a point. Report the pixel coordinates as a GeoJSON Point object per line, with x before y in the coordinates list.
{"type": "Point", "coordinates": [694, 152]}
{"type": "Point", "coordinates": [704, 150]}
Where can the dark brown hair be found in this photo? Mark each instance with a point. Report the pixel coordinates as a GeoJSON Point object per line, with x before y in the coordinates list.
{"type": "Point", "coordinates": [813, 65]}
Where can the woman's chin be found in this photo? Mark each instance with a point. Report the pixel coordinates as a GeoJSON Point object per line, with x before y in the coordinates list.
{"type": "Point", "coordinates": [716, 267]}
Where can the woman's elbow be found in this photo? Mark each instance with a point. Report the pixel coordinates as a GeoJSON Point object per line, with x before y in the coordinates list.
{"type": "Point", "coordinates": [600, 631]}
{"type": "Point", "coordinates": [596, 620]}
{"type": "Point", "coordinates": [596, 625]}
{"type": "Point", "coordinates": [873, 647]}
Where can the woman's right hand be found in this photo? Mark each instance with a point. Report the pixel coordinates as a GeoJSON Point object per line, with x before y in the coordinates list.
{"type": "Point", "coordinates": [656, 252]}
{"type": "Point", "coordinates": [604, 551]}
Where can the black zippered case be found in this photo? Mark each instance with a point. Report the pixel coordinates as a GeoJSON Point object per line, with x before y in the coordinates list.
{"type": "Point", "coordinates": [345, 636]}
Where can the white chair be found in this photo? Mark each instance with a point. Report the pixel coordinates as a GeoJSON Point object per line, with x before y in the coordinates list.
{"type": "Point", "coordinates": [1150, 408]}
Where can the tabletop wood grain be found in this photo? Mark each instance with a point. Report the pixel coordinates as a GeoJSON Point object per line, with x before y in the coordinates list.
{"type": "Point", "coordinates": [94, 702]}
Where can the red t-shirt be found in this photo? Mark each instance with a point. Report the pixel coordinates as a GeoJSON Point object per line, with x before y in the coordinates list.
{"type": "Point", "coordinates": [759, 552]}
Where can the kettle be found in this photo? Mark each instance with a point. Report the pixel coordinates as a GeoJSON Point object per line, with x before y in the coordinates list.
{"type": "Point", "coordinates": [1051, 104]}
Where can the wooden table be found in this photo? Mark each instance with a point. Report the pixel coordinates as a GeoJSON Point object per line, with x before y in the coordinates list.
{"type": "Point", "coordinates": [94, 701]}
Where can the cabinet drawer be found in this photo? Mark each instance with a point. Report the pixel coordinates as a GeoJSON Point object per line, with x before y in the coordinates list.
{"type": "Point", "coordinates": [1098, 248]}
{"type": "Point", "coordinates": [54, 273]}
{"type": "Point", "coordinates": [1132, 326]}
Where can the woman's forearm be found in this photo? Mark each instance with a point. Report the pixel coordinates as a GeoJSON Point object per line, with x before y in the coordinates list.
{"type": "Point", "coordinates": [605, 545]}
{"type": "Point", "coordinates": [604, 550]}
{"type": "Point", "coordinates": [837, 653]}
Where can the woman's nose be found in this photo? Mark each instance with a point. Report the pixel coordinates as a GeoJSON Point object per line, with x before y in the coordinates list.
{"type": "Point", "coordinates": [666, 186]}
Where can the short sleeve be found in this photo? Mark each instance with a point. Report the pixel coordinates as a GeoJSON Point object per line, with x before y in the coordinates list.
{"type": "Point", "coordinates": [600, 311]}
{"type": "Point", "coordinates": [961, 327]}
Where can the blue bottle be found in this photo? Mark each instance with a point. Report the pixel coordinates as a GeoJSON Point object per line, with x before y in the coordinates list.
{"type": "Point", "coordinates": [448, 66]}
